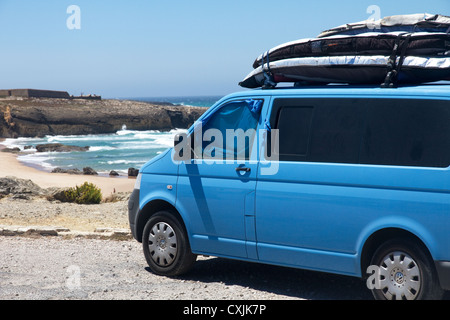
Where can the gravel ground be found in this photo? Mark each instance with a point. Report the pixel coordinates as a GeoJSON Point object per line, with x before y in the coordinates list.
{"type": "Point", "coordinates": [69, 215]}
{"type": "Point", "coordinates": [44, 267]}
{"type": "Point", "coordinates": [39, 267]}
{"type": "Point", "coordinates": [53, 268]}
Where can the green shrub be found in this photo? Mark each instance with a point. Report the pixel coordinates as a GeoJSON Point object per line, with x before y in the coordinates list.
{"type": "Point", "coordinates": [87, 193]}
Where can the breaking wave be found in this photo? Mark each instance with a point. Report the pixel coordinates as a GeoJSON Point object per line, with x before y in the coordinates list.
{"type": "Point", "coordinates": [118, 151]}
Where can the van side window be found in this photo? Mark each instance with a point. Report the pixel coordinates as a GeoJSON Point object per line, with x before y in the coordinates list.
{"type": "Point", "coordinates": [296, 129]}
{"type": "Point", "coordinates": [318, 130]}
{"type": "Point", "coordinates": [337, 129]}
{"type": "Point", "coordinates": [381, 131]}
{"type": "Point", "coordinates": [231, 120]}
{"type": "Point", "coordinates": [407, 133]}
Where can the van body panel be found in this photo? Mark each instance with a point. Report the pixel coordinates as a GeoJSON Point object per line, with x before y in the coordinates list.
{"type": "Point", "coordinates": [218, 200]}
{"type": "Point", "coordinates": [312, 215]}
{"type": "Point", "coordinates": [158, 187]}
{"type": "Point", "coordinates": [214, 197]}
{"type": "Point", "coordinates": [342, 91]}
{"type": "Point", "coordinates": [332, 208]}
{"type": "Point", "coordinates": [162, 164]}
{"type": "Point", "coordinates": [159, 180]}
{"type": "Point", "coordinates": [337, 219]}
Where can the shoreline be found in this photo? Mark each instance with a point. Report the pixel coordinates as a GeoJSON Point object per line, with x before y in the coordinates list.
{"type": "Point", "coordinates": [42, 168]}
{"type": "Point", "coordinates": [38, 117]}
{"type": "Point", "coordinates": [11, 166]}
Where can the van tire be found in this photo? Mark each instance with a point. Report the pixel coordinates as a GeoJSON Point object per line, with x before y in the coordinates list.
{"type": "Point", "coordinates": [166, 245]}
{"type": "Point", "coordinates": [405, 272]}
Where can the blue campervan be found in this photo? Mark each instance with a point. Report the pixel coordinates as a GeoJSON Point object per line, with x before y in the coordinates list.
{"type": "Point", "coordinates": [352, 180]}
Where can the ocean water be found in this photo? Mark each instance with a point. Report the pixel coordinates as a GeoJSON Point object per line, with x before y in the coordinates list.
{"type": "Point", "coordinates": [117, 151]}
{"type": "Point", "coordinates": [204, 101]}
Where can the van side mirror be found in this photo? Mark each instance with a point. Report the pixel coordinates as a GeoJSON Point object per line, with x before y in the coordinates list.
{"type": "Point", "coordinates": [182, 147]}
{"type": "Point", "coordinates": [177, 139]}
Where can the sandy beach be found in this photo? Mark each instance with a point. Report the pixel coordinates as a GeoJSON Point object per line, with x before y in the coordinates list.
{"type": "Point", "coordinates": [10, 166]}
{"type": "Point", "coordinates": [40, 212]}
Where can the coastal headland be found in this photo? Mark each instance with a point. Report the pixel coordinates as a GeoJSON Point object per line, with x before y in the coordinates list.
{"type": "Point", "coordinates": [38, 117]}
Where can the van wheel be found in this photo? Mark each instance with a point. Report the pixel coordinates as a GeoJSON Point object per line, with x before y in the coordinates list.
{"type": "Point", "coordinates": [404, 272]}
{"type": "Point", "coordinates": [166, 246]}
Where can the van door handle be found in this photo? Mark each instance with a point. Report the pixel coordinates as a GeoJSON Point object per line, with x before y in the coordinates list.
{"type": "Point", "coordinates": [245, 169]}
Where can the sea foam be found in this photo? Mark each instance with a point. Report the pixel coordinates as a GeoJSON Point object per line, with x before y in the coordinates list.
{"type": "Point", "coordinates": [117, 151]}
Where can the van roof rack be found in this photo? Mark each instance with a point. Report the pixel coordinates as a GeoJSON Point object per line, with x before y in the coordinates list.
{"type": "Point", "coordinates": [361, 85]}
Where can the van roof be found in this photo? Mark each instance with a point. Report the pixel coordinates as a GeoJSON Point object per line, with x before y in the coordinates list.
{"type": "Point", "coordinates": [440, 90]}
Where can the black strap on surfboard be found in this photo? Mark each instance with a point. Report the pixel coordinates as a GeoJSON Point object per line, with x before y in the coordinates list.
{"type": "Point", "coordinates": [395, 61]}
{"type": "Point", "coordinates": [269, 82]}
{"type": "Point", "coordinates": [391, 64]}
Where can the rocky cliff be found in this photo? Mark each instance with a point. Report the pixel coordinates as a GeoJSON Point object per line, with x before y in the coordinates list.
{"type": "Point", "coordinates": [37, 117]}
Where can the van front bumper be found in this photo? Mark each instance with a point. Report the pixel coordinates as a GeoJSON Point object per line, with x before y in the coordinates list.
{"type": "Point", "coordinates": [443, 271]}
{"type": "Point", "coordinates": [133, 209]}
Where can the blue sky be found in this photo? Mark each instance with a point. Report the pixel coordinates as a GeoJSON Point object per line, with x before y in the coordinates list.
{"type": "Point", "coordinates": [146, 48]}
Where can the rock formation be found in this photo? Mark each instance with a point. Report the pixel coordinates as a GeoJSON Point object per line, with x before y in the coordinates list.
{"type": "Point", "coordinates": [133, 172]}
{"type": "Point", "coordinates": [38, 117]}
{"type": "Point", "coordinates": [19, 188]}
{"type": "Point", "coordinates": [59, 147]}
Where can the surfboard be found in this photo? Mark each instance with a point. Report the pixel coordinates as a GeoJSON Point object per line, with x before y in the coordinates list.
{"type": "Point", "coordinates": [421, 22]}
{"type": "Point", "coordinates": [393, 50]}
{"type": "Point", "coordinates": [354, 69]}
{"type": "Point", "coordinates": [374, 43]}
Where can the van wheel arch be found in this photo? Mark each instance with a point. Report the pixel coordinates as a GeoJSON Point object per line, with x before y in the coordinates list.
{"type": "Point", "coordinates": [149, 210]}
{"type": "Point", "coordinates": [380, 237]}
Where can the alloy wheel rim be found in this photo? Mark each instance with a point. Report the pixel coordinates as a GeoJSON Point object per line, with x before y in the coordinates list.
{"type": "Point", "coordinates": [162, 244]}
{"type": "Point", "coordinates": [400, 277]}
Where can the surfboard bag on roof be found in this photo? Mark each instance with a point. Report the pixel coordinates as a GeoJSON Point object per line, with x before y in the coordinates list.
{"type": "Point", "coordinates": [419, 44]}
{"type": "Point", "coordinates": [354, 69]}
{"type": "Point", "coordinates": [422, 22]}
{"type": "Point", "coordinates": [405, 49]}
